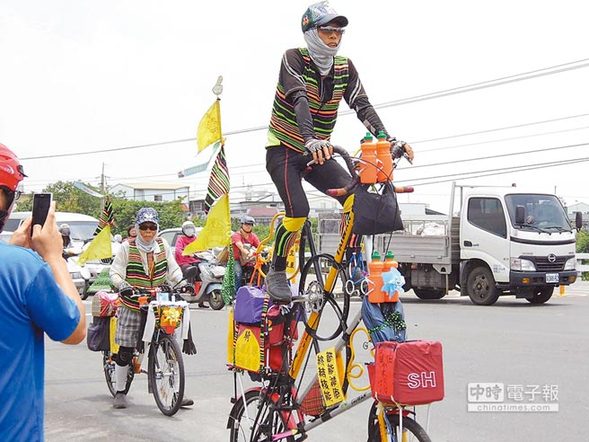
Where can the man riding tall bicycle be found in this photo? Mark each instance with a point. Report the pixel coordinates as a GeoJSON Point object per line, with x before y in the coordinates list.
{"type": "Point", "coordinates": [312, 81]}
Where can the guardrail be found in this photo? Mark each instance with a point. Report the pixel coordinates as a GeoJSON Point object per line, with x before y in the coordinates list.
{"type": "Point", "coordinates": [580, 266]}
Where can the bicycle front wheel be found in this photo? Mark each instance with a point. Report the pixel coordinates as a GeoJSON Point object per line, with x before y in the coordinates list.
{"type": "Point", "coordinates": [412, 431]}
{"type": "Point", "coordinates": [255, 418]}
{"type": "Point", "coordinates": [165, 372]}
{"type": "Point", "coordinates": [324, 318]}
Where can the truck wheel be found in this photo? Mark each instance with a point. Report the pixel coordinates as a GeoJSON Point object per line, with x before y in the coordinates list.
{"type": "Point", "coordinates": [429, 293]}
{"type": "Point", "coordinates": [541, 295]}
{"type": "Point", "coordinates": [481, 286]}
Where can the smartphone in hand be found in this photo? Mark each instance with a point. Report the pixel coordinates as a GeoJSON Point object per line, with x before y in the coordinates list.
{"type": "Point", "coordinates": [41, 204]}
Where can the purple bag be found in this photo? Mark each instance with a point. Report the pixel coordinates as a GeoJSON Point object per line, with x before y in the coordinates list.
{"type": "Point", "coordinates": [249, 302]}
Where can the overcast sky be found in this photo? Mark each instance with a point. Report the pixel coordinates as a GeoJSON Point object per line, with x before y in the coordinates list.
{"type": "Point", "coordinates": [80, 75]}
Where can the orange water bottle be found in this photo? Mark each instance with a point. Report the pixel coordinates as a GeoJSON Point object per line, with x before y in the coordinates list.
{"type": "Point", "coordinates": [375, 268]}
{"type": "Point", "coordinates": [368, 171]}
{"type": "Point", "coordinates": [390, 263]}
{"type": "Point", "coordinates": [383, 154]}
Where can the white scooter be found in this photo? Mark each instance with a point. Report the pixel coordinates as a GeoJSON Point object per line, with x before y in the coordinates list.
{"type": "Point", "coordinates": [208, 285]}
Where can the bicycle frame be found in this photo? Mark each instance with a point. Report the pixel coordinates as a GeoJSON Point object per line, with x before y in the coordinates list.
{"type": "Point", "coordinates": [306, 339]}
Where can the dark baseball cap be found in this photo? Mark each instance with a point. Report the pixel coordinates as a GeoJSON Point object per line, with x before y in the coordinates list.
{"type": "Point", "coordinates": [319, 14]}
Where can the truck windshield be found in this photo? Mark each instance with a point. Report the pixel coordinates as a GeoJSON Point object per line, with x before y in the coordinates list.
{"type": "Point", "coordinates": [542, 212]}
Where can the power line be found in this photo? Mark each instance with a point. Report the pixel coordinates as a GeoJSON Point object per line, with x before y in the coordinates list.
{"type": "Point", "coordinates": [516, 126]}
{"type": "Point", "coordinates": [498, 140]}
{"type": "Point", "coordinates": [510, 154]}
{"type": "Point", "coordinates": [489, 172]}
{"type": "Point", "coordinates": [429, 96]}
{"type": "Point", "coordinates": [556, 69]}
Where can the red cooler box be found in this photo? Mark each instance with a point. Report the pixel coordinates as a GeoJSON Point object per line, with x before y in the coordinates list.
{"type": "Point", "coordinates": [409, 373]}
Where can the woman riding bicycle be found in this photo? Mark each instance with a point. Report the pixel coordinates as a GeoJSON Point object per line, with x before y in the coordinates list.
{"type": "Point", "coordinates": [144, 262]}
{"type": "Point", "coordinates": [311, 84]}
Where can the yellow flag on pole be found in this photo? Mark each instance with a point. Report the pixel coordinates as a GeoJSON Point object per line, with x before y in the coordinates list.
{"type": "Point", "coordinates": [209, 128]}
{"type": "Point", "coordinates": [99, 248]}
{"type": "Point", "coordinates": [217, 229]}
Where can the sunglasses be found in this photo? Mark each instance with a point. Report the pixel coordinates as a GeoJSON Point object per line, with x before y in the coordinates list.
{"type": "Point", "coordinates": [151, 227]}
{"type": "Point", "coordinates": [330, 29]}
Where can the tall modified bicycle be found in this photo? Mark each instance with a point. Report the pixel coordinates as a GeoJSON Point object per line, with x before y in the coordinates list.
{"type": "Point", "coordinates": [289, 403]}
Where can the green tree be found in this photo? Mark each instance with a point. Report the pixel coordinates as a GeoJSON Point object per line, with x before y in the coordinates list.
{"type": "Point", "coordinates": [69, 198]}
{"type": "Point", "coordinates": [583, 241]}
{"type": "Point", "coordinates": [171, 214]}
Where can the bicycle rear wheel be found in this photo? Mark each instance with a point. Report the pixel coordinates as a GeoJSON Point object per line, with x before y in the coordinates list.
{"type": "Point", "coordinates": [412, 431]}
{"type": "Point", "coordinates": [165, 373]}
{"type": "Point", "coordinates": [109, 373]}
{"type": "Point", "coordinates": [255, 418]}
{"type": "Point", "coordinates": [331, 319]}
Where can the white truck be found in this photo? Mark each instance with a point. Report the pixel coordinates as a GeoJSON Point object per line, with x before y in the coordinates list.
{"type": "Point", "coordinates": [500, 241]}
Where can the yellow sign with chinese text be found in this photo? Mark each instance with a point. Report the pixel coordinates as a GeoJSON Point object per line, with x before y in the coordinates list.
{"type": "Point", "coordinates": [329, 378]}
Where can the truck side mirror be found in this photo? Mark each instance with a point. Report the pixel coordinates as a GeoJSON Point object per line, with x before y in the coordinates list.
{"type": "Point", "coordinates": [520, 214]}
{"type": "Point", "coordinates": [578, 220]}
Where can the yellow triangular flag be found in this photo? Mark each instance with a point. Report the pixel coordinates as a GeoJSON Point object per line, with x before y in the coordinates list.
{"type": "Point", "coordinates": [217, 229]}
{"type": "Point", "coordinates": [99, 248]}
{"type": "Point", "coordinates": [209, 128]}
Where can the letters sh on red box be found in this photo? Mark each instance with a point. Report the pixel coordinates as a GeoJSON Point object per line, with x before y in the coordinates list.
{"type": "Point", "coordinates": [409, 373]}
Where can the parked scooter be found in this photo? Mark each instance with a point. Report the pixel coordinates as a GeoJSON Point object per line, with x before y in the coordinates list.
{"type": "Point", "coordinates": [207, 286]}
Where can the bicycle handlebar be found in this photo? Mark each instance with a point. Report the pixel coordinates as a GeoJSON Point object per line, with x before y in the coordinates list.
{"type": "Point", "coordinates": [348, 188]}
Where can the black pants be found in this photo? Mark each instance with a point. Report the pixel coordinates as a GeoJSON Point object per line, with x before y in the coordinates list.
{"type": "Point", "coordinates": [287, 169]}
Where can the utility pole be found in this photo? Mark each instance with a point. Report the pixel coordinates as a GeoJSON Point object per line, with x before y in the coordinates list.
{"type": "Point", "coordinates": [102, 181]}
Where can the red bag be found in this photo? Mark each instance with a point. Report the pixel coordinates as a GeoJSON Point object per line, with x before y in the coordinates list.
{"type": "Point", "coordinates": [408, 373]}
{"type": "Point", "coordinates": [272, 356]}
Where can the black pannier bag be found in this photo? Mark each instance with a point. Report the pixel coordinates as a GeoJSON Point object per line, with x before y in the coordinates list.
{"type": "Point", "coordinates": [376, 213]}
{"type": "Point", "coordinates": [98, 334]}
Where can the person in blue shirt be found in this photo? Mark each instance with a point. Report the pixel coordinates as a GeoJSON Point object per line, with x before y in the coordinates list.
{"type": "Point", "coordinates": [37, 296]}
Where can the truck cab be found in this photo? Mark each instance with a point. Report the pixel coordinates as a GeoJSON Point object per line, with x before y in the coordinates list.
{"type": "Point", "coordinates": [514, 242]}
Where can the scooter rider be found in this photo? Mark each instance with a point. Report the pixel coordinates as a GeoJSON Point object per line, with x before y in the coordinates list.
{"type": "Point", "coordinates": [245, 243]}
{"type": "Point", "coordinates": [65, 231]}
{"type": "Point", "coordinates": [144, 262]}
{"type": "Point", "coordinates": [185, 262]}
{"type": "Point", "coordinates": [188, 236]}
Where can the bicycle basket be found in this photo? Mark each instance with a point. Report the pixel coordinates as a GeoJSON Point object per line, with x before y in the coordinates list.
{"type": "Point", "coordinates": [376, 213]}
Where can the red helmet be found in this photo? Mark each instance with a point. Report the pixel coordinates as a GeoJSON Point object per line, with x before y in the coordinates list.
{"type": "Point", "coordinates": [11, 171]}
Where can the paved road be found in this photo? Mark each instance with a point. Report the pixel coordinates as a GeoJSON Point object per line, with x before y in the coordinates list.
{"type": "Point", "coordinates": [511, 342]}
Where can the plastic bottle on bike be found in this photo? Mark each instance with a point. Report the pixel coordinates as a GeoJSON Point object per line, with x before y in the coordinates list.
{"type": "Point", "coordinates": [383, 154]}
{"type": "Point", "coordinates": [368, 170]}
{"type": "Point", "coordinates": [388, 264]}
{"type": "Point", "coordinates": [375, 269]}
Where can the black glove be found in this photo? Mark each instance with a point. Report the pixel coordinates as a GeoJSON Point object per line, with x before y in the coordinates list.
{"type": "Point", "coordinates": [126, 291]}
{"type": "Point", "coordinates": [165, 288]}
{"type": "Point", "coordinates": [401, 148]}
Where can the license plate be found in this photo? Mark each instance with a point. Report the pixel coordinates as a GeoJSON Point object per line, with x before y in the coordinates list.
{"type": "Point", "coordinates": [551, 277]}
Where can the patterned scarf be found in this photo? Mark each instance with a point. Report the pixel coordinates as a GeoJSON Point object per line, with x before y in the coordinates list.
{"type": "Point", "coordinates": [321, 54]}
{"type": "Point", "coordinates": [143, 245]}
